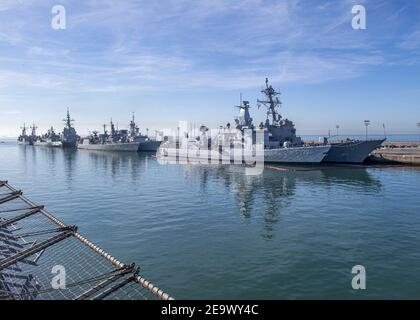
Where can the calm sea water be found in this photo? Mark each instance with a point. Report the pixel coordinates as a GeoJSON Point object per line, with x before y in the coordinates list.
{"type": "Point", "coordinates": [212, 232]}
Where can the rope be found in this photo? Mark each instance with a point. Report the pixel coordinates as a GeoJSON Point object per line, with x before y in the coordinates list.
{"type": "Point", "coordinates": [91, 260]}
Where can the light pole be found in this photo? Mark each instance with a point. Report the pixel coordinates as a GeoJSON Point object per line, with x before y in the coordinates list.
{"type": "Point", "coordinates": [418, 129]}
{"type": "Point", "coordinates": [367, 123]}
{"type": "Point", "coordinates": [337, 127]}
{"type": "Point", "coordinates": [177, 143]}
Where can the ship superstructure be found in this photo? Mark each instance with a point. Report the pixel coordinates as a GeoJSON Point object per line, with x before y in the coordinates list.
{"type": "Point", "coordinates": [69, 137]}
{"type": "Point", "coordinates": [114, 140]}
{"type": "Point", "coordinates": [23, 138]}
{"type": "Point", "coordinates": [280, 143]}
{"type": "Point", "coordinates": [50, 139]}
{"type": "Point", "coordinates": [280, 132]}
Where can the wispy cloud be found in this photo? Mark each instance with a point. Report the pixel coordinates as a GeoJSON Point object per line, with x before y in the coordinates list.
{"type": "Point", "coordinates": [144, 45]}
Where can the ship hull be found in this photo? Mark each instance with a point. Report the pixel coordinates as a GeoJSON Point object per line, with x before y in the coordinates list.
{"type": "Point", "coordinates": [26, 141]}
{"type": "Point", "coordinates": [49, 144]}
{"type": "Point", "coordinates": [122, 147]}
{"type": "Point", "coordinates": [149, 146]}
{"type": "Point", "coordinates": [68, 144]}
{"type": "Point", "coordinates": [352, 152]}
{"type": "Point", "coordinates": [300, 155]}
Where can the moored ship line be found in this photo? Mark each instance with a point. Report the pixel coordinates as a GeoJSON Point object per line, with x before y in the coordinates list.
{"type": "Point", "coordinates": [352, 151]}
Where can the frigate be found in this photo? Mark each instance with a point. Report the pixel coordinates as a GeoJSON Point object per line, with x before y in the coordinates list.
{"type": "Point", "coordinates": [50, 139]}
{"type": "Point", "coordinates": [115, 140]}
{"type": "Point", "coordinates": [280, 143]}
{"type": "Point", "coordinates": [69, 137]}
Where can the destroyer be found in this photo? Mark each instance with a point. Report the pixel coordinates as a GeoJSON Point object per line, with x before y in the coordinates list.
{"type": "Point", "coordinates": [23, 138]}
{"type": "Point", "coordinates": [69, 137]}
{"type": "Point", "coordinates": [352, 151]}
{"type": "Point", "coordinates": [280, 143]}
{"type": "Point", "coordinates": [280, 140]}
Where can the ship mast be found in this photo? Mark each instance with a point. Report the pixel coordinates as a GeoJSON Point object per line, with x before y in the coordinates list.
{"type": "Point", "coordinates": [68, 121]}
{"type": "Point", "coordinates": [33, 130]}
{"type": "Point", "coordinates": [24, 129]}
{"type": "Point", "coordinates": [271, 103]}
{"type": "Point", "coordinates": [133, 127]}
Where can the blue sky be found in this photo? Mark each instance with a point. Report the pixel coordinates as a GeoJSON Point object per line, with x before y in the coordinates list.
{"type": "Point", "coordinates": [172, 60]}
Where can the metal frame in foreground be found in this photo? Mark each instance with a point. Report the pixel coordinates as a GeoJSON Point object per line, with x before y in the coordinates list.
{"type": "Point", "coordinates": [32, 241]}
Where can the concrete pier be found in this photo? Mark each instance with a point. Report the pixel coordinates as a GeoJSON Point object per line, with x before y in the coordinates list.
{"type": "Point", "coordinates": [398, 153]}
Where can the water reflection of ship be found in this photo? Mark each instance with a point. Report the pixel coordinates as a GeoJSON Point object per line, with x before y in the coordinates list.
{"type": "Point", "coordinates": [117, 163]}
{"type": "Point", "coordinates": [69, 155]}
{"type": "Point", "coordinates": [269, 195]}
{"type": "Point", "coordinates": [254, 195]}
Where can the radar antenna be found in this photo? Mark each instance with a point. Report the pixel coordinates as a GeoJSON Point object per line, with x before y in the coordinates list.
{"type": "Point", "coordinates": [271, 103]}
{"type": "Point", "coordinates": [68, 121]}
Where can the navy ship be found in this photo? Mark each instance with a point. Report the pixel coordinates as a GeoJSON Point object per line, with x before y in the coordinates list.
{"type": "Point", "coordinates": [352, 151]}
{"type": "Point", "coordinates": [146, 144]}
{"type": "Point", "coordinates": [50, 139]}
{"type": "Point", "coordinates": [69, 137]}
{"type": "Point", "coordinates": [33, 137]}
{"type": "Point", "coordinates": [115, 140]}
{"type": "Point", "coordinates": [280, 143]}
{"type": "Point", "coordinates": [23, 138]}
{"type": "Point", "coordinates": [282, 131]}
{"type": "Point", "coordinates": [280, 140]}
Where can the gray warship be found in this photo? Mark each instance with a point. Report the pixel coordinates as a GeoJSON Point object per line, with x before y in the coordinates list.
{"type": "Point", "coordinates": [25, 139]}
{"type": "Point", "coordinates": [146, 144]}
{"type": "Point", "coordinates": [50, 139]}
{"type": "Point", "coordinates": [352, 151]}
{"type": "Point", "coordinates": [280, 143]}
{"type": "Point", "coordinates": [283, 131]}
{"type": "Point", "coordinates": [116, 140]}
{"type": "Point", "coordinates": [69, 138]}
